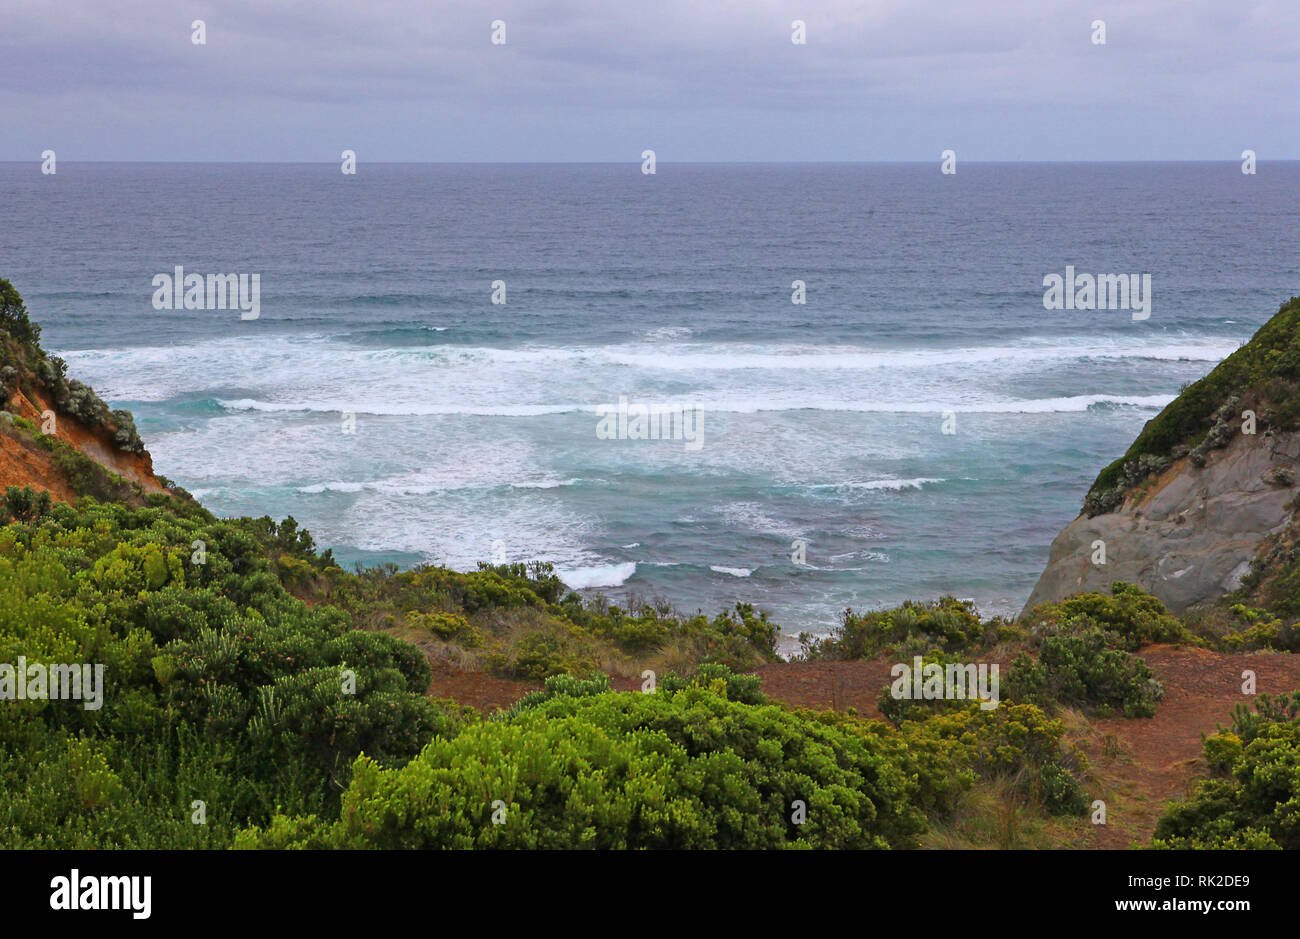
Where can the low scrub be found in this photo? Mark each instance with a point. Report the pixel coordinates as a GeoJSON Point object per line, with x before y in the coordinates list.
{"type": "Point", "coordinates": [1252, 798]}
{"type": "Point", "coordinates": [675, 769]}
{"type": "Point", "coordinates": [1088, 672]}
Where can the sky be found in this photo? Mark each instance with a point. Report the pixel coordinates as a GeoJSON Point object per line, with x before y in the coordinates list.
{"type": "Point", "coordinates": [695, 80]}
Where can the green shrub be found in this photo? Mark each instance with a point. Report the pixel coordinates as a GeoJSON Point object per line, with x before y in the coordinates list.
{"type": "Point", "coordinates": [446, 626]}
{"type": "Point", "coordinates": [549, 648]}
{"type": "Point", "coordinates": [1261, 630]}
{"type": "Point", "coordinates": [947, 624]}
{"type": "Point", "coordinates": [1017, 742]}
{"type": "Point", "coordinates": [125, 436]}
{"type": "Point", "coordinates": [25, 504]}
{"type": "Point", "coordinates": [572, 686]}
{"type": "Point", "coordinates": [219, 686]}
{"type": "Point", "coordinates": [1130, 613]}
{"type": "Point", "coordinates": [746, 689]}
{"type": "Point", "coordinates": [1085, 671]}
{"type": "Point", "coordinates": [13, 316]}
{"type": "Point", "coordinates": [904, 707]}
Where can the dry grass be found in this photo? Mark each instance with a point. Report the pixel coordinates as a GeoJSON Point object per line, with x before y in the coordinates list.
{"type": "Point", "coordinates": [993, 815]}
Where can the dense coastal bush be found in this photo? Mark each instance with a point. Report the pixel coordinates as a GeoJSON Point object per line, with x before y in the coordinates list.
{"type": "Point", "coordinates": [572, 686]}
{"type": "Point", "coordinates": [674, 769]}
{"type": "Point", "coordinates": [1259, 629]}
{"type": "Point", "coordinates": [218, 685]}
{"type": "Point", "coordinates": [225, 688]}
{"type": "Point", "coordinates": [747, 689]}
{"type": "Point", "coordinates": [1252, 800]}
{"type": "Point", "coordinates": [1019, 743]}
{"type": "Point", "coordinates": [905, 707]}
{"type": "Point", "coordinates": [948, 626]}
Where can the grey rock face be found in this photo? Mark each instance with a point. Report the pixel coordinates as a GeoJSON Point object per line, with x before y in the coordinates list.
{"type": "Point", "coordinates": [1190, 537]}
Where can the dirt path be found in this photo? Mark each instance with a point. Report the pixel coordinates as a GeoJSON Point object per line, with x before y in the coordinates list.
{"type": "Point", "coordinates": [1140, 764]}
{"type": "Point", "coordinates": [477, 689]}
{"type": "Point", "coordinates": [1159, 757]}
{"type": "Point", "coordinates": [835, 686]}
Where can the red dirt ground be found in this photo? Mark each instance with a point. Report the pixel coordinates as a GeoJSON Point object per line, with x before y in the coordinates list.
{"type": "Point", "coordinates": [1201, 689]}
{"type": "Point", "coordinates": [477, 689]}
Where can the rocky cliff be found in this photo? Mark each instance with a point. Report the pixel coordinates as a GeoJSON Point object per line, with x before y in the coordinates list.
{"type": "Point", "coordinates": [1202, 503]}
{"type": "Point", "coordinates": [1190, 536]}
{"type": "Point", "coordinates": [56, 435]}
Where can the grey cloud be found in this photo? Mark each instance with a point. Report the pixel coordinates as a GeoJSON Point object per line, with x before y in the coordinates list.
{"type": "Point", "coordinates": [581, 79]}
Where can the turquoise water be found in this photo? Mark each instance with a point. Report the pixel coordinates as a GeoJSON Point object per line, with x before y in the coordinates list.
{"type": "Point", "coordinates": [476, 425]}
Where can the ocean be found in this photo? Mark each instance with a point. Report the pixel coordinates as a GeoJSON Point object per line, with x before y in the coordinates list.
{"type": "Point", "coordinates": [821, 426]}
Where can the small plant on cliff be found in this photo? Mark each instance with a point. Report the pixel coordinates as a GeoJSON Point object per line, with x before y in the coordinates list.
{"type": "Point", "coordinates": [13, 316]}
{"type": "Point", "coordinates": [1221, 431]}
{"type": "Point", "coordinates": [126, 437]}
{"type": "Point", "coordinates": [8, 383]}
{"type": "Point", "coordinates": [80, 401]}
{"type": "Point", "coordinates": [1281, 476]}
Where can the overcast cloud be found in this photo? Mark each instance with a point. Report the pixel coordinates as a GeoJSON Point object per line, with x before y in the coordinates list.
{"type": "Point", "coordinates": [599, 80]}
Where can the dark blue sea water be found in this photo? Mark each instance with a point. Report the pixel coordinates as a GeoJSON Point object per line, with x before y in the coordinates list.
{"type": "Point", "coordinates": [475, 424]}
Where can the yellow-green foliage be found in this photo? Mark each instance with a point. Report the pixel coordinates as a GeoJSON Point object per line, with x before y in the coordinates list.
{"type": "Point", "coordinates": [944, 625]}
{"type": "Point", "coordinates": [528, 625]}
{"type": "Point", "coordinates": [1129, 613]}
{"type": "Point", "coordinates": [684, 769]}
{"type": "Point", "coordinates": [1016, 741]}
{"type": "Point", "coordinates": [1259, 630]}
{"type": "Point", "coordinates": [449, 626]}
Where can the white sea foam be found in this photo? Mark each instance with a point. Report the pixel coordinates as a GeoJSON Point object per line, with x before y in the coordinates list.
{"type": "Point", "coordinates": [664, 333]}
{"type": "Point", "coordinates": [389, 408]}
{"type": "Point", "coordinates": [283, 373]}
{"type": "Point", "coordinates": [697, 358]}
{"type": "Point", "coordinates": [417, 486]}
{"type": "Point", "coordinates": [398, 409]}
{"type": "Point", "coordinates": [604, 575]}
{"type": "Point", "coordinates": [458, 448]}
{"type": "Point", "coordinates": [886, 484]}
